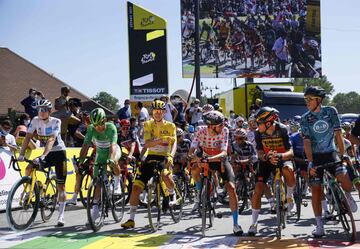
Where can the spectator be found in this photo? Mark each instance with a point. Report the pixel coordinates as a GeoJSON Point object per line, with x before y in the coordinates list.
{"type": "Point", "coordinates": [125, 112]}
{"type": "Point", "coordinates": [143, 112]}
{"type": "Point", "coordinates": [7, 141]}
{"type": "Point", "coordinates": [232, 119]}
{"type": "Point", "coordinates": [21, 130]}
{"type": "Point", "coordinates": [74, 106]}
{"type": "Point", "coordinates": [65, 115]}
{"type": "Point", "coordinates": [62, 101]}
{"type": "Point", "coordinates": [28, 103]}
{"type": "Point", "coordinates": [39, 95]}
{"type": "Point", "coordinates": [171, 112]}
{"type": "Point", "coordinates": [195, 112]}
{"type": "Point", "coordinates": [180, 104]}
{"type": "Point", "coordinates": [256, 106]}
{"type": "Point", "coordinates": [280, 49]}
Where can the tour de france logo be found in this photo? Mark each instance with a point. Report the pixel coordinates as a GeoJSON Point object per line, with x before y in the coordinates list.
{"type": "Point", "coordinates": [321, 126]}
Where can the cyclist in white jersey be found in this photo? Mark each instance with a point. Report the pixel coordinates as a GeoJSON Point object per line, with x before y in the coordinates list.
{"type": "Point", "coordinates": [47, 130]}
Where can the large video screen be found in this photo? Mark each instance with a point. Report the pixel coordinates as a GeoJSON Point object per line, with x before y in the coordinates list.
{"type": "Point", "coordinates": [253, 38]}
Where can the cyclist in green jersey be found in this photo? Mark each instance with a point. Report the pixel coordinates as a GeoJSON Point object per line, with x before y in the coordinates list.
{"type": "Point", "coordinates": [104, 135]}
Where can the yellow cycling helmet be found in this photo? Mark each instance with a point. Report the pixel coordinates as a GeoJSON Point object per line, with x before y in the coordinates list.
{"type": "Point", "coordinates": [158, 104]}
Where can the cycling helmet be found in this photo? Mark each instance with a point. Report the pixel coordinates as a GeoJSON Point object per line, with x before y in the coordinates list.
{"type": "Point", "coordinates": [216, 106]}
{"type": "Point", "coordinates": [294, 126]}
{"type": "Point", "coordinates": [124, 123]}
{"type": "Point", "coordinates": [315, 91]}
{"type": "Point", "coordinates": [251, 118]}
{"type": "Point", "coordinates": [191, 129]}
{"type": "Point", "coordinates": [313, 43]}
{"type": "Point", "coordinates": [297, 118]}
{"type": "Point", "coordinates": [240, 118]}
{"type": "Point", "coordinates": [240, 132]}
{"type": "Point", "coordinates": [42, 103]}
{"type": "Point", "coordinates": [347, 144]}
{"type": "Point", "coordinates": [158, 104]}
{"type": "Point", "coordinates": [97, 116]}
{"type": "Point", "coordinates": [213, 118]}
{"type": "Point", "coordinates": [346, 125]}
{"type": "Point", "coordinates": [208, 108]}
{"type": "Point", "coordinates": [266, 114]}
{"type": "Point", "coordinates": [179, 132]}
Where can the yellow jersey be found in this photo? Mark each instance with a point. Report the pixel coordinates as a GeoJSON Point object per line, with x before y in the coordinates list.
{"type": "Point", "coordinates": [165, 130]}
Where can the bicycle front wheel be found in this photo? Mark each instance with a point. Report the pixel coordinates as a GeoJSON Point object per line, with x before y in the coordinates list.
{"type": "Point", "coordinates": [278, 209]}
{"type": "Point", "coordinates": [298, 195]}
{"type": "Point", "coordinates": [96, 204]}
{"type": "Point", "coordinates": [344, 212]}
{"type": "Point", "coordinates": [84, 187]}
{"type": "Point", "coordinates": [48, 199]}
{"type": "Point", "coordinates": [204, 201]}
{"type": "Point", "coordinates": [153, 204]}
{"type": "Point", "coordinates": [118, 203]}
{"type": "Point", "coordinates": [22, 204]}
{"type": "Point", "coordinates": [177, 208]}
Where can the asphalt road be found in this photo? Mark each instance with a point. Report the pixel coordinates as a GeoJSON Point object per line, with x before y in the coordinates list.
{"type": "Point", "coordinates": [185, 234]}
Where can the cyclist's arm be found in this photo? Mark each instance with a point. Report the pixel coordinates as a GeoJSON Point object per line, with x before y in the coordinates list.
{"type": "Point", "coordinates": [132, 148]}
{"type": "Point", "coordinates": [83, 152]}
{"type": "Point", "coordinates": [49, 144]}
{"type": "Point", "coordinates": [86, 144]}
{"type": "Point", "coordinates": [308, 150]}
{"type": "Point", "coordinates": [340, 142]}
{"type": "Point", "coordinates": [222, 154]}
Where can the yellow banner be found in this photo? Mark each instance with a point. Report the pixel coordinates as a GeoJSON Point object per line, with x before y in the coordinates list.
{"type": "Point", "coordinates": [71, 177]}
{"type": "Point", "coordinates": [144, 20]}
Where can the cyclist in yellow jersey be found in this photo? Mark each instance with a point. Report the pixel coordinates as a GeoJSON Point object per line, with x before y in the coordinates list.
{"type": "Point", "coordinates": [160, 142]}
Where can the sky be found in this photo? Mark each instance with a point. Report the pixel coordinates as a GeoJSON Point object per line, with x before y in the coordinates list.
{"type": "Point", "coordinates": [84, 43]}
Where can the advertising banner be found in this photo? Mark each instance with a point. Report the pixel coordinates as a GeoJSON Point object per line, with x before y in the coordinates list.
{"type": "Point", "coordinates": [147, 54]}
{"type": "Point", "coordinates": [8, 176]}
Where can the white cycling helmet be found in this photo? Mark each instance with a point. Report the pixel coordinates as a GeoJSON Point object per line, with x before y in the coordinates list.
{"type": "Point", "coordinates": [42, 103]}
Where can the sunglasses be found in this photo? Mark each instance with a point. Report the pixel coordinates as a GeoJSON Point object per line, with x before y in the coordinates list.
{"type": "Point", "coordinates": [157, 111]}
{"type": "Point", "coordinates": [240, 138]}
{"type": "Point", "coordinates": [43, 109]}
{"type": "Point", "coordinates": [99, 124]}
{"type": "Point", "coordinates": [308, 99]}
{"type": "Point", "coordinates": [125, 128]}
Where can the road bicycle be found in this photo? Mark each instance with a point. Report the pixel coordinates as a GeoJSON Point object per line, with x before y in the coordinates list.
{"type": "Point", "coordinates": [29, 194]}
{"type": "Point", "coordinates": [101, 193]}
{"type": "Point", "coordinates": [337, 199]}
{"type": "Point", "coordinates": [158, 198]}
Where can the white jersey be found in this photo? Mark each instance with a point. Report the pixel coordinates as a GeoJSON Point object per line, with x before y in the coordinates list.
{"type": "Point", "coordinates": [45, 130]}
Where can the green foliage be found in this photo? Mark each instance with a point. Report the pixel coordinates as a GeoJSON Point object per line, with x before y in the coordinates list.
{"type": "Point", "coordinates": [322, 82]}
{"type": "Point", "coordinates": [347, 102]}
{"type": "Point", "coordinates": [107, 100]}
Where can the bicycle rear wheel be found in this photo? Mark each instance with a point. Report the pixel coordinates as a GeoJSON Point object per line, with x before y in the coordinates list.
{"type": "Point", "coordinates": [278, 209]}
{"type": "Point", "coordinates": [96, 221]}
{"type": "Point", "coordinates": [242, 193]}
{"type": "Point", "coordinates": [344, 212]}
{"type": "Point", "coordinates": [203, 202]}
{"type": "Point", "coordinates": [177, 209]}
{"type": "Point", "coordinates": [48, 199]}
{"type": "Point", "coordinates": [298, 195]}
{"type": "Point", "coordinates": [154, 204]}
{"type": "Point", "coordinates": [22, 206]}
{"type": "Point", "coordinates": [118, 203]}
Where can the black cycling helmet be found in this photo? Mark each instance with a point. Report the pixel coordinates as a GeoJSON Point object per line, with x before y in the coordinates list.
{"type": "Point", "coordinates": [266, 114]}
{"type": "Point", "coordinates": [213, 118]}
{"type": "Point", "coordinates": [315, 91]}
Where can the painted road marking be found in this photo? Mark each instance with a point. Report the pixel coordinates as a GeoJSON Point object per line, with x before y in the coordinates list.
{"type": "Point", "coordinates": [66, 240]}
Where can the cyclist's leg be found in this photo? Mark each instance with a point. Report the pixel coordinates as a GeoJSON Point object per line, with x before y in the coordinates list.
{"type": "Point", "coordinates": [58, 159]}
{"type": "Point", "coordinates": [143, 175]}
{"type": "Point", "coordinates": [288, 173]}
{"type": "Point", "coordinates": [116, 170]}
{"type": "Point", "coordinates": [227, 175]}
{"type": "Point", "coordinates": [28, 170]}
{"type": "Point", "coordinates": [261, 178]}
{"type": "Point", "coordinates": [195, 173]}
{"type": "Point", "coordinates": [343, 177]}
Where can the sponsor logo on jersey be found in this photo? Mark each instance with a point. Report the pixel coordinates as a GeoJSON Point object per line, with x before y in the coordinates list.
{"type": "Point", "coordinates": [48, 130]}
{"type": "Point", "coordinates": [321, 126]}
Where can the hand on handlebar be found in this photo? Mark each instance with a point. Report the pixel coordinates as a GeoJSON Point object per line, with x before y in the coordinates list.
{"type": "Point", "coordinates": [21, 158]}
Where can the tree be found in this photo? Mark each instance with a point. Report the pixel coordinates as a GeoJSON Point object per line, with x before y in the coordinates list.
{"type": "Point", "coordinates": [107, 100]}
{"type": "Point", "coordinates": [347, 102]}
{"type": "Point", "coordinates": [322, 82]}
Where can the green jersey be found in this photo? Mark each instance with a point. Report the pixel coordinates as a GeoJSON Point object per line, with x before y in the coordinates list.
{"type": "Point", "coordinates": [102, 140]}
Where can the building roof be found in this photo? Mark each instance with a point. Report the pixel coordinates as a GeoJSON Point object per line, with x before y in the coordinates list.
{"type": "Point", "coordinates": [18, 75]}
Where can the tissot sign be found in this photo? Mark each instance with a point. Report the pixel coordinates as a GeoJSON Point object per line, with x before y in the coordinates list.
{"type": "Point", "coordinates": [147, 54]}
